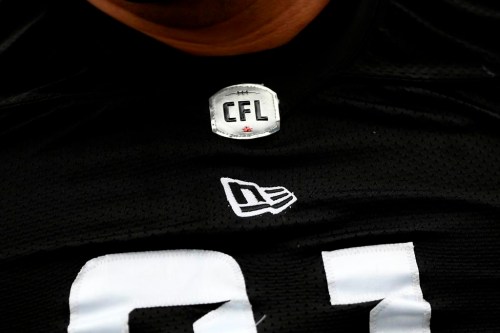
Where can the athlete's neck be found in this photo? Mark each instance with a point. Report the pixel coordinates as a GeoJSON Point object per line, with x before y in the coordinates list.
{"type": "Point", "coordinates": [217, 27]}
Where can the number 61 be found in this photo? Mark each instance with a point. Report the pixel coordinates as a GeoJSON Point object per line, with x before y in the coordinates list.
{"type": "Point", "coordinates": [108, 288]}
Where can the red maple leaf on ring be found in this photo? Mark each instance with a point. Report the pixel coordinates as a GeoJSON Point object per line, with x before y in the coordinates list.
{"type": "Point", "coordinates": [247, 129]}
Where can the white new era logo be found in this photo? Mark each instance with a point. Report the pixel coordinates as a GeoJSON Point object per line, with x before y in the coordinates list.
{"type": "Point", "coordinates": [249, 199]}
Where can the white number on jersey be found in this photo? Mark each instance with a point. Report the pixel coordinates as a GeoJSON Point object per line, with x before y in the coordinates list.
{"type": "Point", "coordinates": [108, 288]}
{"type": "Point", "coordinates": [372, 273]}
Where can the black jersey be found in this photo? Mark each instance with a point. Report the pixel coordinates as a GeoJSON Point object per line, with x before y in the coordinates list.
{"type": "Point", "coordinates": [375, 208]}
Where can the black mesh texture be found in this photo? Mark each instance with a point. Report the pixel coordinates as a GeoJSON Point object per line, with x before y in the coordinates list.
{"type": "Point", "coordinates": [390, 133]}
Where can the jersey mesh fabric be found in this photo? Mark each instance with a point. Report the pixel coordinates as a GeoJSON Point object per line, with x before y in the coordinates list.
{"type": "Point", "coordinates": [390, 134]}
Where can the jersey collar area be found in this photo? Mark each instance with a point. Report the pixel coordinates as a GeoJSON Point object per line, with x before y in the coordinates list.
{"type": "Point", "coordinates": [294, 71]}
{"type": "Point", "coordinates": [329, 44]}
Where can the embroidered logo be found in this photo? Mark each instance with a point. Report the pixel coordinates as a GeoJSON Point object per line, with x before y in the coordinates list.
{"type": "Point", "coordinates": [245, 111]}
{"type": "Point", "coordinates": [249, 199]}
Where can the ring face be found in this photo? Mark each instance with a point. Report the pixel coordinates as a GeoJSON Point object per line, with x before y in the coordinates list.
{"type": "Point", "coordinates": [245, 111]}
